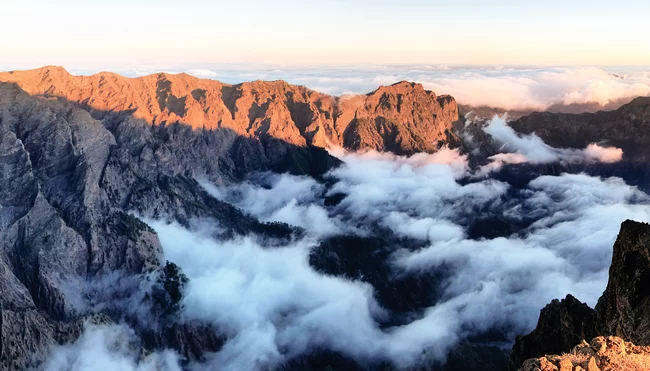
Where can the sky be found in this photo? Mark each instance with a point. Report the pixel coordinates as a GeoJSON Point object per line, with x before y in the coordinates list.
{"type": "Point", "coordinates": [196, 33]}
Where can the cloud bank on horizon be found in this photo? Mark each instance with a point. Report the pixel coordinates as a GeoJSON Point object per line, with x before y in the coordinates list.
{"type": "Point", "coordinates": [497, 87]}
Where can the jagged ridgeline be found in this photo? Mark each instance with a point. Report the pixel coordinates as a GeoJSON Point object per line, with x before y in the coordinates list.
{"type": "Point", "coordinates": [402, 118]}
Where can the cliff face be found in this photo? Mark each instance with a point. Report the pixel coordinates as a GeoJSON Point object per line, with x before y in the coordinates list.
{"type": "Point", "coordinates": [623, 310]}
{"type": "Point", "coordinates": [402, 118]}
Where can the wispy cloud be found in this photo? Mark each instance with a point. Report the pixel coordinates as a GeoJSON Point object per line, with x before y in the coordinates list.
{"type": "Point", "coordinates": [203, 72]}
{"type": "Point", "coordinates": [273, 298]}
{"type": "Point", "coordinates": [517, 149]}
{"type": "Point", "coordinates": [109, 348]}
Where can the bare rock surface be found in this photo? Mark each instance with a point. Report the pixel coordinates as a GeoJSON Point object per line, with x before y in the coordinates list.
{"type": "Point", "coordinates": [602, 354]}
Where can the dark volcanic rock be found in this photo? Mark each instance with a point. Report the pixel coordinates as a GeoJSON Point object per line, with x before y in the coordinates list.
{"type": "Point", "coordinates": [623, 310]}
{"type": "Point", "coordinates": [27, 335]}
{"type": "Point", "coordinates": [368, 259]}
{"type": "Point", "coordinates": [191, 340]}
{"type": "Point", "coordinates": [561, 325]}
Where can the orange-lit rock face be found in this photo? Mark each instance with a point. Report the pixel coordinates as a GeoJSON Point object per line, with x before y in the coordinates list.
{"type": "Point", "coordinates": [403, 118]}
{"type": "Point", "coordinates": [602, 354]}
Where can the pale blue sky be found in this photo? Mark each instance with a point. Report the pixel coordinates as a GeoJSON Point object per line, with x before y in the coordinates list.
{"type": "Point", "coordinates": [166, 34]}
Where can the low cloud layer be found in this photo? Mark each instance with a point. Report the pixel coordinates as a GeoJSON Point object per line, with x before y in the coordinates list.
{"type": "Point", "coordinates": [203, 73]}
{"type": "Point", "coordinates": [274, 297]}
{"type": "Point", "coordinates": [109, 348]}
{"type": "Point", "coordinates": [294, 201]}
{"type": "Point", "coordinates": [539, 89]}
{"type": "Point", "coordinates": [269, 301]}
{"type": "Point", "coordinates": [518, 148]}
{"type": "Point", "coordinates": [272, 305]}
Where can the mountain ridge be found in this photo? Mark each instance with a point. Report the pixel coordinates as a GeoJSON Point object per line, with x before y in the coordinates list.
{"type": "Point", "coordinates": [403, 118]}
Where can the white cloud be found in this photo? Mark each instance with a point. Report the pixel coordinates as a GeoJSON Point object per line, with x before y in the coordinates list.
{"type": "Point", "coordinates": [269, 299]}
{"type": "Point", "coordinates": [285, 198]}
{"type": "Point", "coordinates": [273, 299]}
{"type": "Point", "coordinates": [109, 348]}
{"type": "Point", "coordinates": [202, 72]}
{"type": "Point", "coordinates": [603, 154]}
{"type": "Point", "coordinates": [532, 149]}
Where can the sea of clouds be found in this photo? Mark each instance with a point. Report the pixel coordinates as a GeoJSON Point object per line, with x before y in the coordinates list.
{"type": "Point", "coordinates": [273, 305]}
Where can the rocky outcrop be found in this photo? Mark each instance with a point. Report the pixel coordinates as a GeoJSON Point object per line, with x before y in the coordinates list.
{"type": "Point", "coordinates": [27, 335]}
{"type": "Point", "coordinates": [623, 310]}
{"type": "Point", "coordinates": [602, 354]}
{"type": "Point", "coordinates": [402, 118]}
{"type": "Point", "coordinates": [561, 325]}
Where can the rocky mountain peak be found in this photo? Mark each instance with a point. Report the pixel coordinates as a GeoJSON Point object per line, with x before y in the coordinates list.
{"type": "Point", "coordinates": [639, 102]}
